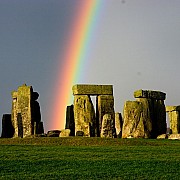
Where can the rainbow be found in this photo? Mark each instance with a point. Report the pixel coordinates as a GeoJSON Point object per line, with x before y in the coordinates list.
{"type": "Point", "coordinates": [74, 57]}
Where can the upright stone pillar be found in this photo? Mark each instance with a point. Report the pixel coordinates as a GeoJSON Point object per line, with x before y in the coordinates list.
{"type": "Point", "coordinates": [137, 122]}
{"type": "Point", "coordinates": [84, 115]}
{"type": "Point", "coordinates": [26, 112]}
{"type": "Point", "coordinates": [70, 120]}
{"type": "Point", "coordinates": [105, 106]}
{"type": "Point", "coordinates": [14, 113]}
{"type": "Point", "coordinates": [7, 128]}
{"type": "Point", "coordinates": [154, 101]}
{"type": "Point", "coordinates": [118, 124]}
{"type": "Point", "coordinates": [108, 127]}
{"type": "Point", "coordinates": [174, 118]}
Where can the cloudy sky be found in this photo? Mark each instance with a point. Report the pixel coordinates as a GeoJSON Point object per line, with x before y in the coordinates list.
{"type": "Point", "coordinates": [136, 46]}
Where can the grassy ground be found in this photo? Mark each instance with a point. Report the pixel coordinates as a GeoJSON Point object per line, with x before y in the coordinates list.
{"type": "Point", "coordinates": [89, 158]}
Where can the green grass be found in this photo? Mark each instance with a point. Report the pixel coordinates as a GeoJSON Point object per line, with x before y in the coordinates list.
{"type": "Point", "coordinates": [89, 158]}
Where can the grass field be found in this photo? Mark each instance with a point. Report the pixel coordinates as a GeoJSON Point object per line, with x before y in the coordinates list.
{"type": "Point", "coordinates": [89, 158]}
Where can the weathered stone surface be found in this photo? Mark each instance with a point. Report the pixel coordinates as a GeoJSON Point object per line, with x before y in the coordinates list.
{"type": "Point", "coordinates": [108, 126]}
{"type": "Point", "coordinates": [157, 115]}
{"type": "Point", "coordinates": [14, 114]}
{"type": "Point", "coordinates": [7, 128]}
{"type": "Point", "coordinates": [118, 124]}
{"type": "Point", "coordinates": [22, 112]}
{"type": "Point", "coordinates": [87, 89]}
{"type": "Point", "coordinates": [150, 94]}
{"type": "Point", "coordinates": [137, 122]}
{"type": "Point", "coordinates": [172, 108]}
{"type": "Point", "coordinates": [65, 133]}
{"type": "Point", "coordinates": [53, 133]}
{"type": "Point", "coordinates": [105, 106]}
{"type": "Point", "coordinates": [174, 136]}
{"type": "Point", "coordinates": [70, 119]}
{"type": "Point", "coordinates": [162, 136]}
{"type": "Point", "coordinates": [174, 118]}
{"type": "Point", "coordinates": [84, 115]}
{"type": "Point", "coordinates": [25, 111]}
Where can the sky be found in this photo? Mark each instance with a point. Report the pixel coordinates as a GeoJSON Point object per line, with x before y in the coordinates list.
{"type": "Point", "coordinates": [135, 44]}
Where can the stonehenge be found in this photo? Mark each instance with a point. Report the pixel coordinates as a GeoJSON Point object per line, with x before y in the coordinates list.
{"type": "Point", "coordinates": [145, 117]}
{"type": "Point", "coordinates": [87, 118]}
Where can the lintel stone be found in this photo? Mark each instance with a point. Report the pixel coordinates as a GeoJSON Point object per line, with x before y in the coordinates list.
{"type": "Point", "coordinates": [172, 108]}
{"type": "Point", "coordinates": [150, 94]}
{"type": "Point", "coordinates": [88, 89]}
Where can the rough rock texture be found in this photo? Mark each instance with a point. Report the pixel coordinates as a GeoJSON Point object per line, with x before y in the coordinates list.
{"type": "Point", "coordinates": [174, 136]}
{"type": "Point", "coordinates": [65, 133]}
{"type": "Point", "coordinates": [21, 118]}
{"type": "Point", "coordinates": [84, 115]}
{"type": "Point", "coordinates": [145, 117]}
{"type": "Point", "coordinates": [108, 126]}
{"type": "Point", "coordinates": [25, 111]}
{"type": "Point", "coordinates": [118, 124]}
{"type": "Point", "coordinates": [174, 118]}
{"type": "Point", "coordinates": [105, 106]}
{"type": "Point", "coordinates": [162, 136]}
{"type": "Point", "coordinates": [137, 122]}
{"type": "Point", "coordinates": [172, 108]}
{"type": "Point", "coordinates": [14, 114]}
{"type": "Point", "coordinates": [7, 128]}
{"type": "Point", "coordinates": [87, 89]}
{"type": "Point", "coordinates": [70, 119]}
{"type": "Point", "coordinates": [150, 94]}
{"type": "Point", "coordinates": [156, 115]}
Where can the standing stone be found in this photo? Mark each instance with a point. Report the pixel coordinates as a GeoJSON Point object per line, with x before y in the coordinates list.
{"type": "Point", "coordinates": [84, 115]}
{"type": "Point", "coordinates": [159, 125]}
{"type": "Point", "coordinates": [118, 124]}
{"type": "Point", "coordinates": [40, 128]}
{"type": "Point", "coordinates": [136, 123]}
{"type": "Point", "coordinates": [105, 106]}
{"type": "Point", "coordinates": [70, 120]}
{"type": "Point", "coordinates": [36, 113]}
{"type": "Point", "coordinates": [7, 128]}
{"type": "Point", "coordinates": [174, 118]}
{"type": "Point", "coordinates": [14, 113]}
{"type": "Point", "coordinates": [154, 102]}
{"type": "Point", "coordinates": [26, 112]}
{"type": "Point", "coordinates": [25, 124]}
{"type": "Point", "coordinates": [108, 127]}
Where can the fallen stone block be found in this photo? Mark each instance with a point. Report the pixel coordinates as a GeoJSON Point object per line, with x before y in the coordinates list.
{"type": "Point", "coordinates": [174, 136]}
{"type": "Point", "coordinates": [53, 133]}
{"type": "Point", "coordinates": [162, 136]}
